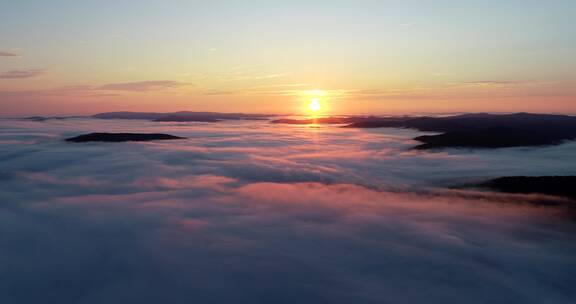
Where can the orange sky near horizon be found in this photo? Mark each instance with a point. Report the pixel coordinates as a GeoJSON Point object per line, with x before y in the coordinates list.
{"type": "Point", "coordinates": [370, 57]}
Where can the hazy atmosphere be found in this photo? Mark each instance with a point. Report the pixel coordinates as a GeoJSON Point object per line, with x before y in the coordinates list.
{"type": "Point", "coordinates": [252, 151]}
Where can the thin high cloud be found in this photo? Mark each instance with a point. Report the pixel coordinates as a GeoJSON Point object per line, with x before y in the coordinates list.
{"type": "Point", "coordinates": [8, 54]}
{"type": "Point", "coordinates": [112, 89]}
{"type": "Point", "coordinates": [447, 91]}
{"type": "Point", "coordinates": [466, 89]}
{"type": "Point", "coordinates": [138, 86]}
{"type": "Point", "coordinates": [480, 82]}
{"type": "Point", "coordinates": [502, 83]}
{"type": "Point", "coordinates": [252, 212]}
{"type": "Point", "coordinates": [21, 74]}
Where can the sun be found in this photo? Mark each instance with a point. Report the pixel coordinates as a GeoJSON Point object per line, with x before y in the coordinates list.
{"type": "Point", "coordinates": [314, 100]}
{"type": "Point", "coordinates": [314, 105]}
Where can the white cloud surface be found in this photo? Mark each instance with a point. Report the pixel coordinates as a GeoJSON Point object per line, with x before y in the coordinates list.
{"type": "Point", "coordinates": [249, 212]}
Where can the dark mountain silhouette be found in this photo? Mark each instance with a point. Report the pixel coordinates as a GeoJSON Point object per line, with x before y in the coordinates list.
{"type": "Point", "coordinates": [190, 118]}
{"type": "Point", "coordinates": [477, 130]}
{"type": "Point", "coordinates": [483, 130]}
{"type": "Point", "coordinates": [184, 116]}
{"type": "Point", "coordinates": [552, 185]}
{"type": "Point", "coordinates": [497, 137]}
{"type": "Point", "coordinates": [470, 121]}
{"type": "Point", "coordinates": [130, 115]}
{"type": "Point", "coordinates": [43, 118]}
{"type": "Point", "coordinates": [120, 137]}
{"type": "Point", "coordinates": [330, 120]}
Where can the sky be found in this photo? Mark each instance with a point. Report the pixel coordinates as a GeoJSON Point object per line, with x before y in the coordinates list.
{"type": "Point", "coordinates": [82, 57]}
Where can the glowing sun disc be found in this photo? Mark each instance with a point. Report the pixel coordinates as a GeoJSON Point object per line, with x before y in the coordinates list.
{"type": "Point", "coordinates": [314, 105]}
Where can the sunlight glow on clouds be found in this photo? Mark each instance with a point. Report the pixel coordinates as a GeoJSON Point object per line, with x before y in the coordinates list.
{"type": "Point", "coordinates": [271, 212]}
{"type": "Point", "coordinates": [255, 212]}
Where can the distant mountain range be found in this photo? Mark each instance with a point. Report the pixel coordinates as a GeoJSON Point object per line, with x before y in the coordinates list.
{"type": "Point", "coordinates": [183, 116]}
{"type": "Point", "coordinates": [480, 130]}
{"type": "Point", "coordinates": [552, 185]}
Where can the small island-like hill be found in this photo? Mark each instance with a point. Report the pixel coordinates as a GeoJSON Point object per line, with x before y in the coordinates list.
{"type": "Point", "coordinates": [120, 137]}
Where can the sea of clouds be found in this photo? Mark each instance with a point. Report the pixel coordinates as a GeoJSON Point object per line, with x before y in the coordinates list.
{"type": "Point", "coordinates": [252, 212]}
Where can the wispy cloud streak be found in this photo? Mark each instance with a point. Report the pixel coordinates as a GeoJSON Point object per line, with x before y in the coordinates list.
{"type": "Point", "coordinates": [20, 74]}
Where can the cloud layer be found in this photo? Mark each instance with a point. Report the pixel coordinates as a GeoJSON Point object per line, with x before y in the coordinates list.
{"type": "Point", "coordinates": [249, 212]}
{"type": "Point", "coordinates": [19, 74]}
{"type": "Point", "coordinates": [8, 54]}
{"type": "Point", "coordinates": [141, 85]}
